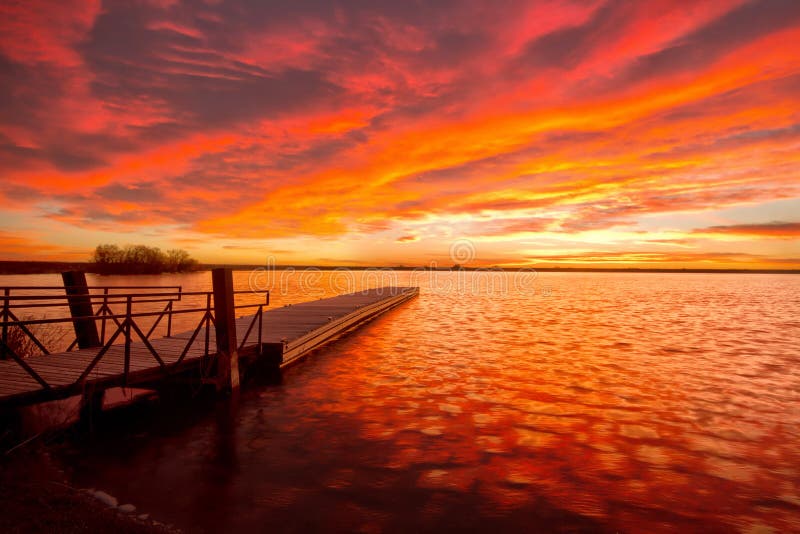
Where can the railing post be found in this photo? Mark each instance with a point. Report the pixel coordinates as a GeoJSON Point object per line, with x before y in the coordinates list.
{"type": "Point", "coordinates": [225, 325]}
{"type": "Point", "coordinates": [169, 320]}
{"type": "Point", "coordinates": [6, 304]}
{"type": "Point", "coordinates": [80, 305]}
{"type": "Point", "coordinates": [105, 311]}
{"type": "Point", "coordinates": [128, 321]}
{"type": "Point", "coordinates": [208, 321]}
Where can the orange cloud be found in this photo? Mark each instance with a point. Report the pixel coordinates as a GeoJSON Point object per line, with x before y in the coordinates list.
{"type": "Point", "coordinates": [28, 246]}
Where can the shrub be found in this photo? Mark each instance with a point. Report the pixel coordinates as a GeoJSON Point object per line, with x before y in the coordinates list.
{"type": "Point", "coordinates": [141, 259]}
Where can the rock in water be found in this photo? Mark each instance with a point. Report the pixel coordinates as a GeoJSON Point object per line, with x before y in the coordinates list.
{"type": "Point", "coordinates": [105, 498]}
{"type": "Point", "coordinates": [127, 508]}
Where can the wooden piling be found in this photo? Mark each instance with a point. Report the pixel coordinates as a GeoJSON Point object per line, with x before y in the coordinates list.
{"type": "Point", "coordinates": [225, 329]}
{"type": "Point", "coordinates": [91, 407]}
{"type": "Point", "coordinates": [80, 306]}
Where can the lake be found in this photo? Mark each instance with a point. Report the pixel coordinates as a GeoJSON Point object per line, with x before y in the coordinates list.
{"type": "Point", "coordinates": [559, 401]}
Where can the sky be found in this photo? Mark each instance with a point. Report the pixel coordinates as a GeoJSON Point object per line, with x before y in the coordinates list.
{"type": "Point", "coordinates": [603, 133]}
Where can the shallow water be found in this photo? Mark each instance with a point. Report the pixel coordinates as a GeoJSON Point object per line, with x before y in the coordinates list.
{"type": "Point", "coordinates": [631, 402]}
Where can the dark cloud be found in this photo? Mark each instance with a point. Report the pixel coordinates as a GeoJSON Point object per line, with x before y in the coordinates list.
{"type": "Point", "coordinates": [71, 158]}
{"type": "Point", "coordinates": [318, 153]}
{"type": "Point", "coordinates": [743, 138]}
{"type": "Point", "coordinates": [12, 155]}
{"type": "Point", "coordinates": [644, 256]}
{"type": "Point", "coordinates": [788, 132]}
{"type": "Point", "coordinates": [451, 49]}
{"type": "Point", "coordinates": [721, 104]}
{"type": "Point", "coordinates": [740, 26]}
{"type": "Point", "coordinates": [135, 58]}
{"type": "Point", "coordinates": [565, 48]}
{"type": "Point", "coordinates": [141, 192]}
{"type": "Point", "coordinates": [74, 153]}
{"type": "Point", "coordinates": [24, 92]}
{"type": "Point", "coordinates": [95, 215]}
{"type": "Point", "coordinates": [133, 61]}
{"type": "Point", "coordinates": [783, 229]}
{"type": "Point", "coordinates": [18, 195]}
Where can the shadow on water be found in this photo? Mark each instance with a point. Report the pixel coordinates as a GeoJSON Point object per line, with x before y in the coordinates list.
{"type": "Point", "coordinates": [208, 463]}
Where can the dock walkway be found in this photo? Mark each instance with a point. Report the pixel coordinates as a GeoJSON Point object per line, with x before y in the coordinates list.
{"type": "Point", "coordinates": [282, 335]}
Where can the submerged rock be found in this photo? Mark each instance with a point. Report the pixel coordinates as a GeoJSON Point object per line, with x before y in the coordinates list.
{"type": "Point", "coordinates": [127, 508]}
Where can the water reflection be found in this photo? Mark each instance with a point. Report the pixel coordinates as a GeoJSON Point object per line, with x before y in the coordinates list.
{"type": "Point", "coordinates": [609, 402]}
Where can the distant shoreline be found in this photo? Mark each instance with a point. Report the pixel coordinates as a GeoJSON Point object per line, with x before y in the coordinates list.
{"type": "Point", "coordinates": [50, 267]}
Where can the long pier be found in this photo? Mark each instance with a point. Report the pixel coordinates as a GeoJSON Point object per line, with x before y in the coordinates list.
{"type": "Point", "coordinates": [121, 353]}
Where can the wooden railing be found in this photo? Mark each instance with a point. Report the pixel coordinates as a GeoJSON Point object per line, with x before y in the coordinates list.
{"type": "Point", "coordinates": [82, 302]}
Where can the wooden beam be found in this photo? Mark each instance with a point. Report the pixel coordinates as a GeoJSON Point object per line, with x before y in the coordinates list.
{"type": "Point", "coordinates": [225, 327]}
{"type": "Point", "coordinates": [81, 306]}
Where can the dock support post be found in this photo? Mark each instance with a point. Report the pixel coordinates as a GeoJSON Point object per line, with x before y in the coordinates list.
{"type": "Point", "coordinates": [90, 408]}
{"type": "Point", "coordinates": [225, 327]}
{"type": "Point", "coordinates": [80, 306]}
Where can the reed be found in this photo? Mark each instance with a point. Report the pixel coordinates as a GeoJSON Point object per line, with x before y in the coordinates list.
{"type": "Point", "coordinates": [21, 343]}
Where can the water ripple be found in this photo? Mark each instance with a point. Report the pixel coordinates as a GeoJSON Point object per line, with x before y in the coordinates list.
{"type": "Point", "coordinates": [633, 402]}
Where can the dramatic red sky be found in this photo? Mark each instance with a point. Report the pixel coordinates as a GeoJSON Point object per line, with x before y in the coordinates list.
{"type": "Point", "coordinates": [554, 132]}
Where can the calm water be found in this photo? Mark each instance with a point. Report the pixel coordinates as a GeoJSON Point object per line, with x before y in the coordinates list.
{"type": "Point", "coordinates": [631, 402]}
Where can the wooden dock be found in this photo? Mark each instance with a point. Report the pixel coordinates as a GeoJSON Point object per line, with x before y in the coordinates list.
{"type": "Point", "coordinates": [279, 337]}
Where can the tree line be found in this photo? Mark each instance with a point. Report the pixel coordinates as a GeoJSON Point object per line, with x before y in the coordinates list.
{"type": "Point", "coordinates": [141, 259]}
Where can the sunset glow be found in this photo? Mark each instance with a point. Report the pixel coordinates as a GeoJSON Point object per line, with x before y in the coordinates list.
{"type": "Point", "coordinates": [594, 133]}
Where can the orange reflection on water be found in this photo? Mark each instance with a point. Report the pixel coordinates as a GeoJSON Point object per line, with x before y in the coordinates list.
{"type": "Point", "coordinates": [632, 402]}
